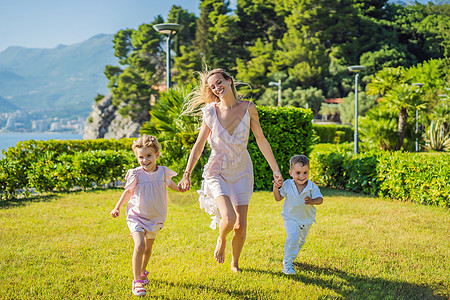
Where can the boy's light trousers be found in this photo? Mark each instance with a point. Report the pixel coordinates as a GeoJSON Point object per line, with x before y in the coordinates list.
{"type": "Point", "coordinates": [295, 239]}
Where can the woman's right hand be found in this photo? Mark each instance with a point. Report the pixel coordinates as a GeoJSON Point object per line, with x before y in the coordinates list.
{"type": "Point", "coordinates": [185, 183]}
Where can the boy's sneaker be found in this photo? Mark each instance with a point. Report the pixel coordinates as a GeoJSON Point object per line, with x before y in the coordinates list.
{"type": "Point", "coordinates": [289, 271]}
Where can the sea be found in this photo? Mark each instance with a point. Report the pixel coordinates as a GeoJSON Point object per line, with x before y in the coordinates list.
{"type": "Point", "coordinates": [10, 139]}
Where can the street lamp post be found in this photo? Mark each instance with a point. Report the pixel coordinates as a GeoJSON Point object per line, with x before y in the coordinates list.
{"type": "Point", "coordinates": [356, 69]}
{"type": "Point", "coordinates": [278, 84]}
{"type": "Point", "coordinates": [171, 29]}
{"type": "Point", "coordinates": [417, 120]}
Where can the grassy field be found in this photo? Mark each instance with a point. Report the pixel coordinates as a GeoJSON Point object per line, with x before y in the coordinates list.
{"type": "Point", "coordinates": [66, 246]}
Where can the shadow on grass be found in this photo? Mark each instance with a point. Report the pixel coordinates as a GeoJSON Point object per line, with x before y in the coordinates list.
{"type": "Point", "coordinates": [238, 292]}
{"type": "Point", "coordinates": [16, 202]}
{"type": "Point", "coordinates": [352, 285]}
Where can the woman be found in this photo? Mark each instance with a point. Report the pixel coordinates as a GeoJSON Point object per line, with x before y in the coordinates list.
{"type": "Point", "coordinates": [228, 176]}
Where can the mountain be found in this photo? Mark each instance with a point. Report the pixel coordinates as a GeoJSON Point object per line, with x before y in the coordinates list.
{"type": "Point", "coordinates": [64, 79]}
{"type": "Point", "coordinates": [6, 106]}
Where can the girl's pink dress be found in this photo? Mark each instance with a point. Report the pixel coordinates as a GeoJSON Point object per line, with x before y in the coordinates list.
{"type": "Point", "coordinates": [229, 170]}
{"type": "Point", "coordinates": [147, 207]}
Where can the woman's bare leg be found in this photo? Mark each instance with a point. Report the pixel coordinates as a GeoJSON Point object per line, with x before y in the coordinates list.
{"type": "Point", "coordinates": [240, 233]}
{"type": "Point", "coordinates": [226, 225]}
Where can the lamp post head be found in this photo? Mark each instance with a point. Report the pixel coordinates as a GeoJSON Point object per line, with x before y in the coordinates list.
{"type": "Point", "coordinates": [168, 28]}
{"type": "Point", "coordinates": [418, 84]}
{"type": "Point", "coordinates": [356, 68]}
{"type": "Point", "coordinates": [273, 83]}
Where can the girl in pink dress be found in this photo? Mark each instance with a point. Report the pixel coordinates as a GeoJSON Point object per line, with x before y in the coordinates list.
{"type": "Point", "coordinates": [146, 190]}
{"type": "Point", "coordinates": [228, 176]}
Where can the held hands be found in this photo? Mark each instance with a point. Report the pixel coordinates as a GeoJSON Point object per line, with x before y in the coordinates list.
{"type": "Point", "coordinates": [277, 179]}
{"type": "Point", "coordinates": [185, 183]}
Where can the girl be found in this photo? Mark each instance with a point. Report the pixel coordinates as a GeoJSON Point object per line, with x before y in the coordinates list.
{"type": "Point", "coordinates": [147, 209]}
{"type": "Point", "coordinates": [228, 176]}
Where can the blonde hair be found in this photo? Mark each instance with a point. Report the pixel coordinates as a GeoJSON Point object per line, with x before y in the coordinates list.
{"type": "Point", "coordinates": [202, 93]}
{"type": "Point", "coordinates": [299, 159]}
{"type": "Point", "coordinates": [146, 141]}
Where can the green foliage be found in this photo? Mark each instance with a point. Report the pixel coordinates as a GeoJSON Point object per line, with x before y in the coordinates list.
{"type": "Point", "coordinates": [437, 138]}
{"type": "Point", "coordinates": [289, 132]}
{"type": "Point", "coordinates": [334, 134]}
{"type": "Point", "coordinates": [176, 133]}
{"type": "Point", "coordinates": [139, 52]}
{"type": "Point", "coordinates": [421, 178]}
{"type": "Point", "coordinates": [62, 164]}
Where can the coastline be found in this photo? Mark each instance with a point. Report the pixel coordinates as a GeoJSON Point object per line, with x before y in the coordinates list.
{"type": "Point", "coordinates": [11, 138]}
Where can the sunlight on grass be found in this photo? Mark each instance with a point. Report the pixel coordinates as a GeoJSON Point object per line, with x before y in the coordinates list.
{"type": "Point", "coordinates": [67, 246]}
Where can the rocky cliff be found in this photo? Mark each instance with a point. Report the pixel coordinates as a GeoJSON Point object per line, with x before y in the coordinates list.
{"type": "Point", "coordinates": [104, 121]}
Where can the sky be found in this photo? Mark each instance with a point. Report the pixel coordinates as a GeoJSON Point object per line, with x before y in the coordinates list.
{"type": "Point", "coordinates": [49, 23]}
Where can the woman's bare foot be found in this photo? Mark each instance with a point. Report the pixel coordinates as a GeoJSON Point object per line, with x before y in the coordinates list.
{"type": "Point", "coordinates": [219, 253]}
{"type": "Point", "coordinates": [235, 268]}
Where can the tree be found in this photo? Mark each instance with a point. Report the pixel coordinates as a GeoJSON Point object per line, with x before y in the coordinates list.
{"type": "Point", "coordinates": [398, 94]}
{"type": "Point", "coordinates": [347, 107]}
{"type": "Point", "coordinates": [216, 35]}
{"type": "Point", "coordinates": [139, 52]}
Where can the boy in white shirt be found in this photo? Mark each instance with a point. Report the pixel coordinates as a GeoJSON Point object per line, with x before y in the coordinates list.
{"type": "Point", "coordinates": [299, 211]}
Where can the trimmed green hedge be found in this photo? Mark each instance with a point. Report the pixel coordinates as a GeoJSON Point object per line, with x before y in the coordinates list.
{"type": "Point", "coordinates": [421, 178]}
{"type": "Point", "coordinates": [289, 132]}
{"type": "Point", "coordinates": [333, 134]}
{"type": "Point", "coordinates": [63, 165]}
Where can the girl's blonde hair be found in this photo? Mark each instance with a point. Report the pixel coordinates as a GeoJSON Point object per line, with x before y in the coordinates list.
{"type": "Point", "coordinates": [146, 141]}
{"type": "Point", "coordinates": [202, 94]}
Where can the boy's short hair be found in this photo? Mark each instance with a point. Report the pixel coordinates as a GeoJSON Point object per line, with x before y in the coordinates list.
{"type": "Point", "coordinates": [146, 141]}
{"type": "Point", "coordinates": [298, 159]}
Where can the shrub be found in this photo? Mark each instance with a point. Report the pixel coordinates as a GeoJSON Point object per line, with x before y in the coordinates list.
{"type": "Point", "coordinates": [289, 132]}
{"type": "Point", "coordinates": [421, 178]}
{"type": "Point", "coordinates": [334, 134]}
{"type": "Point", "coordinates": [48, 165]}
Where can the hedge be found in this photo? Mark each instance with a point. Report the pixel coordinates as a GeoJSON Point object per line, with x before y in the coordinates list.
{"type": "Point", "coordinates": [334, 134]}
{"type": "Point", "coordinates": [289, 132]}
{"type": "Point", "coordinates": [63, 165]}
{"type": "Point", "coordinates": [417, 177]}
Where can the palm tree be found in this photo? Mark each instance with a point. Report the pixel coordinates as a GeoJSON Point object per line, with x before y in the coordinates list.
{"type": "Point", "coordinates": [175, 132]}
{"type": "Point", "coordinates": [393, 85]}
{"type": "Point", "coordinates": [402, 99]}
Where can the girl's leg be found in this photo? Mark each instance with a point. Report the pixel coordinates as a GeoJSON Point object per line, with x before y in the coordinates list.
{"type": "Point", "coordinates": [240, 233]}
{"type": "Point", "coordinates": [147, 254]}
{"type": "Point", "coordinates": [226, 224]}
{"type": "Point", "coordinates": [138, 254]}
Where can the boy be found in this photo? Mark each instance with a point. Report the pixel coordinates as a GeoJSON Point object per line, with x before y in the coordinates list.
{"type": "Point", "coordinates": [298, 212]}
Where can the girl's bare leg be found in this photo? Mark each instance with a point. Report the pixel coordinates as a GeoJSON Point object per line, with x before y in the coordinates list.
{"type": "Point", "coordinates": [138, 254]}
{"type": "Point", "coordinates": [226, 225]}
{"type": "Point", "coordinates": [147, 254]}
{"type": "Point", "coordinates": [240, 233]}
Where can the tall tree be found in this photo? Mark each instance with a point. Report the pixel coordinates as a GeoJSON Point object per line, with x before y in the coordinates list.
{"type": "Point", "coordinates": [133, 85]}
{"type": "Point", "coordinates": [216, 35]}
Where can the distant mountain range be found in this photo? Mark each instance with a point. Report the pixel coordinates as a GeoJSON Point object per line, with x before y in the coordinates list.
{"type": "Point", "coordinates": [64, 80]}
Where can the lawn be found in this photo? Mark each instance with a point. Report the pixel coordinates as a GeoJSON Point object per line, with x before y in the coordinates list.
{"type": "Point", "coordinates": [66, 246]}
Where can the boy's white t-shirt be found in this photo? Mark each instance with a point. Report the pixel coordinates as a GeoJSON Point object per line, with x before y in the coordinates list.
{"type": "Point", "coordinates": [294, 207]}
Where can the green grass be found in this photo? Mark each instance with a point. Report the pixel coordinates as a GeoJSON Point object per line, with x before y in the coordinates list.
{"type": "Point", "coordinates": [67, 246]}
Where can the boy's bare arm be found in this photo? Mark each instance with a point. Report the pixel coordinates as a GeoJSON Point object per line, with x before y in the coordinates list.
{"type": "Point", "coordinates": [276, 193]}
{"type": "Point", "coordinates": [315, 201]}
